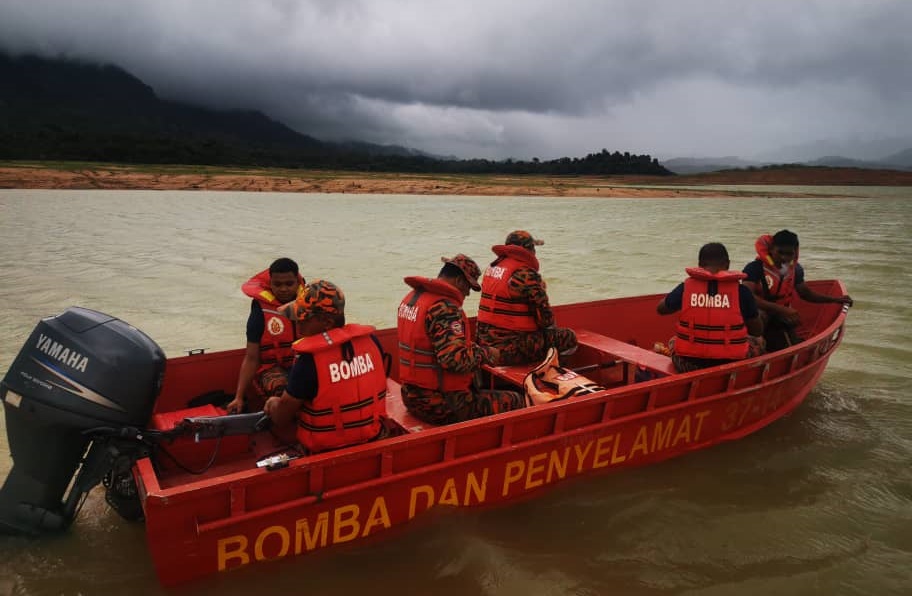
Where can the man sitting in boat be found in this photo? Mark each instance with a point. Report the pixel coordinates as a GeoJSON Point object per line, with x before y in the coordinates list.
{"type": "Point", "coordinates": [774, 277]}
{"type": "Point", "coordinates": [719, 320]}
{"type": "Point", "coordinates": [437, 358]}
{"type": "Point", "coordinates": [514, 314]}
{"type": "Point", "coordinates": [337, 386]}
{"type": "Point", "coordinates": [269, 333]}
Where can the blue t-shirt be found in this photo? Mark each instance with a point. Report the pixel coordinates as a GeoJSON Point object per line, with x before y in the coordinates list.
{"type": "Point", "coordinates": [255, 323]}
{"type": "Point", "coordinates": [754, 272]}
{"type": "Point", "coordinates": [748, 305]}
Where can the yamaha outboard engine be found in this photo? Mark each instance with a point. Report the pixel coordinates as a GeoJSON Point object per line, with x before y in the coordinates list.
{"type": "Point", "coordinates": [74, 399]}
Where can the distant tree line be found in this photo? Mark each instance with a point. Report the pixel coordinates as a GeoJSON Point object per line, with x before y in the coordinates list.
{"type": "Point", "coordinates": [56, 143]}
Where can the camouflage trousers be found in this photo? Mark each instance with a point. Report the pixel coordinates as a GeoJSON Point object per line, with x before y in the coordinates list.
{"type": "Point", "coordinates": [271, 381]}
{"type": "Point", "coordinates": [437, 407]}
{"type": "Point", "coordinates": [525, 347]}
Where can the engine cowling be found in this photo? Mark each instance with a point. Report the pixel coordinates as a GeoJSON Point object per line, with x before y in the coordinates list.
{"type": "Point", "coordinates": [79, 371]}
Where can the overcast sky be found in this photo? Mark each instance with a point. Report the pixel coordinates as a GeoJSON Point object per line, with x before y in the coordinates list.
{"type": "Point", "coordinates": [514, 78]}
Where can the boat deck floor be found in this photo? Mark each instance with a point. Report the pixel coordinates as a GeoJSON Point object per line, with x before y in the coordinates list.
{"type": "Point", "coordinates": [185, 460]}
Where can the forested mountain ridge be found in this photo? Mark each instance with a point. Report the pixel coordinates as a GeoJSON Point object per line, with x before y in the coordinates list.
{"type": "Point", "coordinates": [69, 110]}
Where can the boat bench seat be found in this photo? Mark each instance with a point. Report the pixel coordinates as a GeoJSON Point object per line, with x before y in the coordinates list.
{"type": "Point", "coordinates": [630, 353]}
{"type": "Point", "coordinates": [397, 411]}
{"type": "Point", "coordinates": [515, 374]}
{"type": "Point", "coordinates": [615, 348]}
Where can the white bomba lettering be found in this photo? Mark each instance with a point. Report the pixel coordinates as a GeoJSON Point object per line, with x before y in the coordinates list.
{"type": "Point", "coordinates": [409, 313]}
{"type": "Point", "coordinates": [707, 301]}
{"type": "Point", "coordinates": [346, 369]}
{"type": "Point", "coordinates": [495, 272]}
{"type": "Point", "coordinates": [62, 354]}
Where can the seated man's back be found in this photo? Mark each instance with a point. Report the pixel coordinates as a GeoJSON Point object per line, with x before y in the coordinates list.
{"type": "Point", "coordinates": [718, 320]}
{"type": "Point", "coordinates": [514, 314]}
{"type": "Point", "coordinates": [337, 388]}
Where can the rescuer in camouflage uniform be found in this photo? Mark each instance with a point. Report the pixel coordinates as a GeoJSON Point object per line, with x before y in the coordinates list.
{"type": "Point", "coordinates": [437, 357]}
{"type": "Point", "coordinates": [514, 314]}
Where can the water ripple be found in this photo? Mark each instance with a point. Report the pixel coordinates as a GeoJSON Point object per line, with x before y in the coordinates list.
{"type": "Point", "coordinates": [818, 503]}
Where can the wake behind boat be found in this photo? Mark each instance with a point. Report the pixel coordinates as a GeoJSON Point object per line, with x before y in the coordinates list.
{"type": "Point", "coordinates": [90, 399]}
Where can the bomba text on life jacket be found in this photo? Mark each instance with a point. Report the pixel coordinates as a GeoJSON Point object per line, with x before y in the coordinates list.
{"type": "Point", "coordinates": [707, 301]}
{"type": "Point", "coordinates": [346, 369]}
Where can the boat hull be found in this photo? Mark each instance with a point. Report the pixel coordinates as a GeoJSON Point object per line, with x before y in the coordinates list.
{"type": "Point", "coordinates": [239, 515]}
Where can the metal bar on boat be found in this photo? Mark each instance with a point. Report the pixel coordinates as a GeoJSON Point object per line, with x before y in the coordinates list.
{"type": "Point", "coordinates": [316, 480]}
{"type": "Point", "coordinates": [238, 500]}
{"type": "Point", "coordinates": [651, 400]}
{"type": "Point", "coordinates": [598, 366]}
{"type": "Point", "coordinates": [559, 422]}
{"type": "Point", "coordinates": [506, 437]}
{"type": "Point", "coordinates": [608, 410]}
{"type": "Point", "coordinates": [386, 463]}
{"type": "Point", "coordinates": [794, 363]}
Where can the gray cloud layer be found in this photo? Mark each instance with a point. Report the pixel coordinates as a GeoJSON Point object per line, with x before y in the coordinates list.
{"type": "Point", "coordinates": [500, 78]}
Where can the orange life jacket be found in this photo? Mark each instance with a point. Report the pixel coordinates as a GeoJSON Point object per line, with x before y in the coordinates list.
{"type": "Point", "coordinates": [351, 389]}
{"type": "Point", "coordinates": [417, 361]}
{"type": "Point", "coordinates": [711, 326]}
{"type": "Point", "coordinates": [549, 381]}
{"type": "Point", "coordinates": [777, 287]}
{"type": "Point", "coordinates": [499, 305]}
{"type": "Point", "coordinates": [278, 331]}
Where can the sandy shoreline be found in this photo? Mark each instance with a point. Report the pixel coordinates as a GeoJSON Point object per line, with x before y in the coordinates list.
{"type": "Point", "coordinates": [115, 177]}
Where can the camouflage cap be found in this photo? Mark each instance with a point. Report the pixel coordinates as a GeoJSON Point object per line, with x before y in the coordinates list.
{"type": "Point", "coordinates": [319, 296]}
{"type": "Point", "coordinates": [524, 239]}
{"type": "Point", "coordinates": [468, 267]}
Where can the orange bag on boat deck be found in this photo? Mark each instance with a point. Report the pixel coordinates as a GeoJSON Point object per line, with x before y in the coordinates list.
{"type": "Point", "coordinates": [549, 381]}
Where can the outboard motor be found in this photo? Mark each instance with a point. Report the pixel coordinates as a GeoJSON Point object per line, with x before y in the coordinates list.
{"type": "Point", "coordinates": [75, 398]}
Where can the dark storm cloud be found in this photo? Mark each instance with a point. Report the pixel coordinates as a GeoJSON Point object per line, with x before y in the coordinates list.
{"type": "Point", "coordinates": [500, 78]}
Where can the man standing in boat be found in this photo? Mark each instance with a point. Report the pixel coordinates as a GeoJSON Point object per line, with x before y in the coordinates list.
{"type": "Point", "coordinates": [774, 277]}
{"type": "Point", "coordinates": [514, 314]}
{"type": "Point", "coordinates": [268, 356]}
{"type": "Point", "coordinates": [337, 386]}
{"type": "Point", "coordinates": [437, 358]}
{"type": "Point", "coordinates": [719, 320]}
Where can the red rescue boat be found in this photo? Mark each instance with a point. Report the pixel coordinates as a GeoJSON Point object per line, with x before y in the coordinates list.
{"type": "Point", "coordinates": [216, 504]}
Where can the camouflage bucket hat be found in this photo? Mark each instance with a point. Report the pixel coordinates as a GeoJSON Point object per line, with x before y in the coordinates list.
{"type": "Point", "coordinates": [319, 296]}
{"type": "Point", "coordinates": [524, 239]}
{"type": "Point", "coordinates": [468, 267]}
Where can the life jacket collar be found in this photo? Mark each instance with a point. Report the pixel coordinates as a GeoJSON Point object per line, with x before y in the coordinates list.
{"type": "Point", "coordinates": [764, 246]}
{"type": "Point", "coordinates": [259, 288]}
{"type": "Point", "coordinates": [704, 274]}
{"type": "Point", "coordinates": [435, 286]}
{"type": "Point", "coordinates": [518, 253]}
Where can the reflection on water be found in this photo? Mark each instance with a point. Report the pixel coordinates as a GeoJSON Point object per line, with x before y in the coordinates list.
{"type": "Point", "coordinates": [820, 502]}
